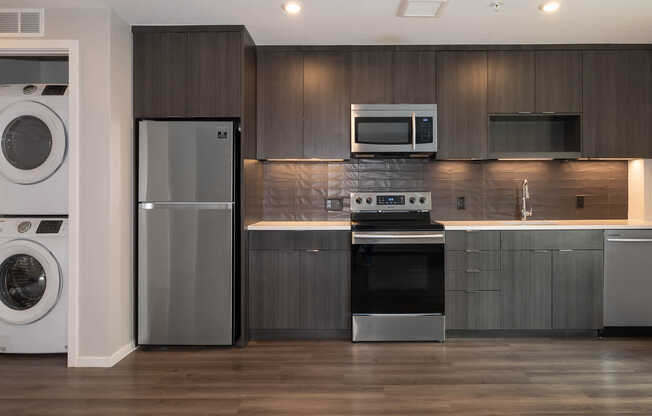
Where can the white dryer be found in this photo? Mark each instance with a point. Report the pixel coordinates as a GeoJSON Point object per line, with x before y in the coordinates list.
{"type": "Point", "coordinates": [33, 287]}
{"type": "Point", "coordinates": [33, 149]}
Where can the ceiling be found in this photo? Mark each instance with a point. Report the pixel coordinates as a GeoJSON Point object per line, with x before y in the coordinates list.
{"type": "Point", "coordinates": [375, 21]}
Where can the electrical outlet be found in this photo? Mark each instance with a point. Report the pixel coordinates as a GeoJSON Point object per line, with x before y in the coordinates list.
{"type": "Point", "coordinates": [580, 201]}
{"type": "Point", "coordinates": [334, 204]}
{"type": "Point", "coordinates": [461, 203]}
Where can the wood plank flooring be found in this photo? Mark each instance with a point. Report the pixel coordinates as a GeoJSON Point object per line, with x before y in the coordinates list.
{"type": "Point", "coordinates": [460, 377]}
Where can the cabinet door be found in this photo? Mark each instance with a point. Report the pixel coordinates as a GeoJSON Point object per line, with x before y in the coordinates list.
{"type": "Point", "coordinates": [413, 77]}
{"type": "Point", "coordinates": [326, 106]}
{"type": "Point", "coordinates": [479, 309]}
{"type": "Point", "coordinates": [577, 289]}
{"type": "Point", "coordinates": [511, 82]}
{"type": "Point", "coordinates": [280, 105]}
{"type": "Point", "coordinates": [371, 77]}
{"type": "Point", "coordinates": [558, 82]}
{"type": "Point", "coordinates": [462, 105]}
{"type": "Point", "coordinates": [617, 103]}
{"type": "Point", "coordinates": [527, 289]}
{"type": "Point", "coordinates": [325, 289]}
{"type": "Point", "coordinates": [274, 289]}
{"type": "Point", "coordinates": [160, 74]}
{"type": "Point", "coordinates": [214, 74]}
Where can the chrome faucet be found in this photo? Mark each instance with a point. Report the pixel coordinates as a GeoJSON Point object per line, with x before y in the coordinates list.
{"type": "Point", "coordinates": [525, 193]}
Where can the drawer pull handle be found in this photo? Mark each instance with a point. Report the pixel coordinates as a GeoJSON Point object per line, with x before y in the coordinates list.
{"type": "Point", "coordinates": [566, 250]}
{"type": "Point", "coordinates": [312, 251]}
{"type": "Point", "coordinates": [471, 250]}
{"type": "Point", "coordinates": [473, 270]}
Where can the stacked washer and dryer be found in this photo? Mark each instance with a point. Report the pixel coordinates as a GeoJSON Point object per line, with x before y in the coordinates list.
{"type": "Point", "coordinates": [33, 218]}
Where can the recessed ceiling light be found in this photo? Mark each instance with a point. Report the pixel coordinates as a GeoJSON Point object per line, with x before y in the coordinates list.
{"type": "Point", "coordinates": [292, 7]}
{"type": "Point", "coordinates": [550, 7]}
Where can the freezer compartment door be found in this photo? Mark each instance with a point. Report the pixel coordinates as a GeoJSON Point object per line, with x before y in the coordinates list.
{"type": "Point", "coordinates": [185, 160]}
{"type": "Point", "coordinates": [628, 278]}
{"type": "Point", "coordinates": [185, 274]}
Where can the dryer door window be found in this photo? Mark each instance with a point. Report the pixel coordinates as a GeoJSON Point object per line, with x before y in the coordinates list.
{"type": "Point", "coordinates": [30, 282]}
{"type": "Point", "coordinates": [33, 142]}
{"type": "Point", "coordinates": [26, 142]}
{"type": "Point", "coordinates": [22, 282]}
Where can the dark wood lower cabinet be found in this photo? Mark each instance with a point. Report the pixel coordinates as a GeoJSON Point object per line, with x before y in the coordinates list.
{"type": "Point", "coordinates": [526, 287]}
{"type": "Point", "coordinates": [577, 289]}
{"type": "Point", "coordinates": [299, 291]}
{"type": "Point", "coordinates": [473, 309]}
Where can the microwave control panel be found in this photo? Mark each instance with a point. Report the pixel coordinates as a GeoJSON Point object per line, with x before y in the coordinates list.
{"type": "Point", "coordinates": [424, 129]}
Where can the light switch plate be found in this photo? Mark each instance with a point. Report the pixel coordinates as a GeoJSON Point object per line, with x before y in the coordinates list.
{"type": "Point", "coordinates": [334, 204]}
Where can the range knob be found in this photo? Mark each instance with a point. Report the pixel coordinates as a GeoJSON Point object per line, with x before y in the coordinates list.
{"type": "Point", "coordinates": [412, 200]}
{"type": "Point", "coordinates": [369, 200]}
{"type": "Point", "coordinates": [422, 200]}
{"type": "Point", "coordinates": [358, 200]}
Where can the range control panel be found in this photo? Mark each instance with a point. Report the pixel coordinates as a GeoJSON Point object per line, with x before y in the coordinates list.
{"type": "Point", "coordinates": [390, 201]}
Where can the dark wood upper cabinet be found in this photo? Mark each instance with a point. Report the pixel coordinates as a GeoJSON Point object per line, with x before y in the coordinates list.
{"type": "Point", "coordinates": [371, 77]}
{"type": "Point", "coordinates": [413, 77]}
{"type": "Point", "coordinates": [160, 74]}
{"type": "Point", "coordinates": [462, 105]}
{"type": "Point", "coordinates": [326, 105]}
{"type": "Point", "coordinates": [558, 82]}
{"type": "Point", "coordinates": [617, 103]}
{"type": "Point", "coordinates": [280, 105]}
{"type": "Point", "coordinates": [214, 73]}
{"type": "Point", "coordinates": [511, 78]}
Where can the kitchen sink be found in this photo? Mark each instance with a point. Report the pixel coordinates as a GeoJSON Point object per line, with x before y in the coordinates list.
{"type": "Point", "coordinates": [534, 222]}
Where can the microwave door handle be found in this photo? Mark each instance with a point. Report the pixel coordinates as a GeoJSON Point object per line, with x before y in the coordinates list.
{"type": "Point", "coordinates": [414, 131]}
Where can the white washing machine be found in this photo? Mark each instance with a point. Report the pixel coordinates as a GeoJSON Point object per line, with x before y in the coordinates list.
{"type": "Point", "coordinates": [33, 149]}
{"type": "Point", "coordinates": [33, 287]}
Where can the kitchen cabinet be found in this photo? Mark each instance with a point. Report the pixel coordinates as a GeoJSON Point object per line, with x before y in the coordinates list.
{"type": "Point", "coordinates": [473, 309]}
{"type": "Point", "coordinates": [274, 282]}
{"type": "Point", "coordinates": [384, 76]}
{"type": "Point", "coordinates": [160, 74]}
{"type": "Point", "coordinates": [280, 105]}
{"type": "Point", "coordinates": [413, 77]}
{"type": "Point", "coordinates": [303, 105]}
{"type": "Point", "coordinates": [526, 288]}
{"type": "Point", "coordinates": [511, 82]}
{"type": "Point", "coordinates": [577, 289]}
{"type": "Point", "coordinates": [462, 105]}
{"type": "Point", "coordinates": [617, 103]}
{"type": "Point", "coordinates": [558, 82]}
{"type": "Point", "coordinates": [371, 77]}
{"type": "Point", "coordinates": [299, 283]}
{"type": "Point", "coordinates": [326, 106]}
{"type": "Point", "coordinates": [214, 67]}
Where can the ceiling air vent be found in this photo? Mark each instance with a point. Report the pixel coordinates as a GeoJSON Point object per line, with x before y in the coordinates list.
{"type": "Point", "coordinates": [21, 22]}
{"type": "Point", "coordinates": [421, 8]}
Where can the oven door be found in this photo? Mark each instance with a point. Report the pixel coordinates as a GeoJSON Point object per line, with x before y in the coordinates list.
{"type": "Point", "coordinates": [398, 276]}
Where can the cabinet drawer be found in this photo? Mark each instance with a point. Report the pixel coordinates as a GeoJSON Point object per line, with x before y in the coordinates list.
{"type": "Point", "coordinates": [473, 261]}
{"type": "Point", "coordinates": [552, 240]}
{"type": "Point", "coordinates": [471, 281]}
{"type": "Point", "coordinates": [473, 240]}
{"type": "Point", "coordinates": [299, 240]}
{"type": "Point", "coordinates": [473, 310]}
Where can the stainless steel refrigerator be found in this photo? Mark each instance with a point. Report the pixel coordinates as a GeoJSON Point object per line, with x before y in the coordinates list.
{"type": "Point", "coordinates": [187, 232]}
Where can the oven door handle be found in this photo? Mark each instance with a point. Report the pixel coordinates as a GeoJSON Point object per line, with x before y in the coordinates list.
{"type": "Point", "coordinates": [398, 237]}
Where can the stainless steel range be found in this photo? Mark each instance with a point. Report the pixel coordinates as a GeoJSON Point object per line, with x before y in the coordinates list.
{"type": "Point", "coordinates": [397, 268]}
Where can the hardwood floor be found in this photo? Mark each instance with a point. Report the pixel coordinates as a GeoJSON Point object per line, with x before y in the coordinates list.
{"type": "Point", "coordinates": [460, 377]}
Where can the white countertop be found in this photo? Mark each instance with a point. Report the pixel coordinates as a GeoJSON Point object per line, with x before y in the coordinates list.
{"type": "Point", "coordinates": [464, 225]}
{"type": "Point", "coordinates": [547, 225]}
{"type": "Point", "coordinates": [300, 225]}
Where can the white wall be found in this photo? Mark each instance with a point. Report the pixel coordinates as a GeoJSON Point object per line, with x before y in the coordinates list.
{"type": "Point", "coordinates": [105, 301]}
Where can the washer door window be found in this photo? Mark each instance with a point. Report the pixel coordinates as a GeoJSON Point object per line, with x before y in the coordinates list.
{"type": "Point", "coordinates": [30, 281]}
{"type": "Point", "coordinates": [33, 142]}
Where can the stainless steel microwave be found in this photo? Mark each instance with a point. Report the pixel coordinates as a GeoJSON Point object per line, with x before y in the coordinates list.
{"type": "Point", "coordinates": [393, 128]}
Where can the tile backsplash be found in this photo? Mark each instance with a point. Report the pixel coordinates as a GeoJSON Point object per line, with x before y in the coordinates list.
{"type": "Point", "coordinates": [297, 190]}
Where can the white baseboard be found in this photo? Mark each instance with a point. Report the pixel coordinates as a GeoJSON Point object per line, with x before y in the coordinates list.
{"type": "Point", "coordinates": [109, 361]}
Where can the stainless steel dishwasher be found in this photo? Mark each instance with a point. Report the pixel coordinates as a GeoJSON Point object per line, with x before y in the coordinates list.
{"type": "Point", "coordinates": [627, 278]}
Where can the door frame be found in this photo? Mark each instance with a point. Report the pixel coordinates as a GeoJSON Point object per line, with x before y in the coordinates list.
{"type": "Point", "coordinates": [71, 49]}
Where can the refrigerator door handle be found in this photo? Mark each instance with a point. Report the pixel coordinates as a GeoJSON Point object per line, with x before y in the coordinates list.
{"type": "Point", "coordinates": [186, 205]}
